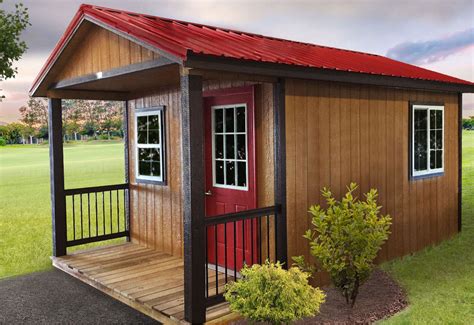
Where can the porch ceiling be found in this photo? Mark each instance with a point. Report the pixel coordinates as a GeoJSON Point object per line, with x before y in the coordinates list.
{"type": "Point", "coordinates": [118, 84]}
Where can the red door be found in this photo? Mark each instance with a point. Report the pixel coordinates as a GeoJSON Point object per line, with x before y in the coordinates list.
{"type": "Point", "coordinates": [230, 174]}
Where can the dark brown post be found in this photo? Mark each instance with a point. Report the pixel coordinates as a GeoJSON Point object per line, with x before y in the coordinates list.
{"type": "Point", "coordinates": [192, 124]}
{"type": "Point", "coordinates": [460, 162]}
{"type": "Point", "coordinates": [280, 169]}
{"type": "Point", "coordinates": [126, 142]}
{"type": "Point", "coordinates": [58, 199]}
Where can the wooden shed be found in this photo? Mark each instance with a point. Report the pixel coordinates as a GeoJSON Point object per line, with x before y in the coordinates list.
{"type": "Point", "coordinates": [229, 138]}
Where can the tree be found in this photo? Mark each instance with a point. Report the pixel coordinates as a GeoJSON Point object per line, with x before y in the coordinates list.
{"type": "Point", "coordinates": [11, 47]}
{"type": "Point", "coordinates": [15, 133]}
{"type": "Point", "coordinates": [35, 115]}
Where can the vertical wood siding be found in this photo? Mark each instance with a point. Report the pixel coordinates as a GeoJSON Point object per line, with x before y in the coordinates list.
{"type": "Point", "coordinates": [102, 50]}
{"type": "Point", "coordinates": [156, 212]}
{"type": "Point", "coordinates": [338, 133]}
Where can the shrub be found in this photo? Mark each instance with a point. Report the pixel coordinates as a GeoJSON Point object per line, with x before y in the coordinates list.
{"type": "Point", "coordinates": [271, 294]}
{"type": "Point", "coordinates": [346, 237]}
{"type": "Point", "coordinates": [3, 142]}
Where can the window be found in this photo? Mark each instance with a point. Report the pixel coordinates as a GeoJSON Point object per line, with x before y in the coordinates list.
{"type": "Point", "coordinates": [150, 147]}
{"type": "Point", "coordinates": [229, 146]}
{"type": "Point", "coordinates": [427, 140]}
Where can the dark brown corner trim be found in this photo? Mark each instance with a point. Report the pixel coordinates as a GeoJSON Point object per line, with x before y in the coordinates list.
{"type": "Point", "coordinates": [459, 162]}
{"type": "Point", "coordinates": [289, 71]}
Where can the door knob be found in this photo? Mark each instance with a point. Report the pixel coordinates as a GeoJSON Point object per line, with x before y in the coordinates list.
{"type": "Point", "coordinates": [208, 193]}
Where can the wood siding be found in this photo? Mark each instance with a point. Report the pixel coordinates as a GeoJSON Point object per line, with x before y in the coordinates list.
{"type": "Point", "coordinates": [101, 50]}
{"type": "Point", "coordinates": [156, 211]}
{"type": "Point", "coordinates": [156, 219]}
{"type": "Point", "coordinates": [338, 133]}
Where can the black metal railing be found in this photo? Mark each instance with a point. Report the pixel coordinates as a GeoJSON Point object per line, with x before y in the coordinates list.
{"type": "Point", "coordinates": [96, 214]}
{"type": "Point", "coordinates": [234, 240]}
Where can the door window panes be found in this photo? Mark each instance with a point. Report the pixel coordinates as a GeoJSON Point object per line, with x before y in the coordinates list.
{"type": "Point", "coordinates": [229, 141]}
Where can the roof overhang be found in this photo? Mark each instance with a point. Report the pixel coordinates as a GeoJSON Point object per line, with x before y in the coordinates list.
{"type": "Point", "coordinates": [198, 61]}
{"type": "Point", "coordinates": [78, 27]}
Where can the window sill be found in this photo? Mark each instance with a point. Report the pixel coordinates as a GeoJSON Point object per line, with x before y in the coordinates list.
{"type": "Point", "coordinates": [150, 182]}
{"type": "Point", "coordinates": [419, 177]}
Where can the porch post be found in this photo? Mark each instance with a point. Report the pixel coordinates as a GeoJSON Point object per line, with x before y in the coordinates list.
{"type": "Point", "coordinates": [58, 200]}
{"type": "Point", "coordinates": [192, 124]}
{"type": "Point", "coordinates": [280, 169]}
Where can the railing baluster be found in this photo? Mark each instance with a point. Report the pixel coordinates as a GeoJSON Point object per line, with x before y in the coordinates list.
{"type": "Point", "coordinates": [73, 219]}
{"type": "Point", "coordinates": [225, 251]}
{"type": "Point", "coordinates": [89, 212]}
{"type": "Point", "coordinates": [243, 243]}
{"type": "Point", "coordinates": [96, 216]}
{"type": "Point", "coordinates": [217, 261]}
{"type": "Point", "coordinates": [260, 242]}
{"type": "Point", "coordinates": [118, 212]}
{"type": "Point", "coordinates": [82, 222]}
{"type": "Point", "coordinates": [125, 209]}
{"type": "Point", "coordinates": [111, 209]}
{"type": "Point", "coordinates": [235, 251]}
{"type": "Point", "coordinates": [103, 210]}
{"type": "Point", "coordinates": [207, 265]}
{"type": "Point", "coordinates": [251, 240]}
{"type": "Point", "coordinates": [268, 238]}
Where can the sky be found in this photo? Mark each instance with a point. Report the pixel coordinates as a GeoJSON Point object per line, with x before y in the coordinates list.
{"type": "Point", "coordinates": [434, 34]}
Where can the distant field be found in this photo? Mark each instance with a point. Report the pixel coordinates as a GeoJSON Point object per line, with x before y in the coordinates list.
{"type": "Point", "coordinates": [25, 208]}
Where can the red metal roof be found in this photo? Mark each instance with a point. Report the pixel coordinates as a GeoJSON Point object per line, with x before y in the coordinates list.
{"type": "Point", "coordinates": [178, 38]}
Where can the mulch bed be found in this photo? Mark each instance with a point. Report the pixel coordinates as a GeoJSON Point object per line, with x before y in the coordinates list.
{"type": "Point", "coordinates": [380, 297]}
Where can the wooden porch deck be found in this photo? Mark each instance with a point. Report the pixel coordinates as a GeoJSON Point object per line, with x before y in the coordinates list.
{"type": "Point", "coordinates": [147, 280]}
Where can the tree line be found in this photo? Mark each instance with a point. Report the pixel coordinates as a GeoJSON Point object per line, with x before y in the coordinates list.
{"type": "Point", "coordinates": [81, 119]}
{"type": "Point", "coordinates": [468, 123]}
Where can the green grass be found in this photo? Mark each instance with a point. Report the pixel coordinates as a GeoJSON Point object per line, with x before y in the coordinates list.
{"type": "Point", "coordinates": [440, 280]}
{"type": "Point", "coordinates": [25, 208]}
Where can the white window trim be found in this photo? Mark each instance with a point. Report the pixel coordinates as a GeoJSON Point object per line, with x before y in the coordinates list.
{"type": "Point", "coordinates": [214, 183]}
{"type": "Point", "coordinates": [428, 171]}
{"type": "Point", "coordinates": [147, 112]}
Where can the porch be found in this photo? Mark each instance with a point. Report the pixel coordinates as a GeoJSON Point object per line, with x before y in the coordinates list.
{"type": "Point", "coordinates": [145, 279]}
{"type": "Point", "coordinates": [178, 255]}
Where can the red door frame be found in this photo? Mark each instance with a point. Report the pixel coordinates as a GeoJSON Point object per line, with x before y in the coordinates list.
{"type": "Point", "coordinates": [227, 97]}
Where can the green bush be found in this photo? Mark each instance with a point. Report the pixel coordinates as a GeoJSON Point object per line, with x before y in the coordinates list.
{"type": "Point", "coordinates": [271, 294]}
{"type": "Point", "coordinates": [346, 237]}
{"type": "Point", "coordinates": [3, 142]}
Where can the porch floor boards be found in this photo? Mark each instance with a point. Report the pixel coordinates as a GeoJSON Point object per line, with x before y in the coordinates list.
{"type": "Point", "coordinates": [145, 279]}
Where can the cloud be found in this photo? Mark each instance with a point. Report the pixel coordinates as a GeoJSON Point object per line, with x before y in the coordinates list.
{"type": "Point", "coordinates": [424, 52]}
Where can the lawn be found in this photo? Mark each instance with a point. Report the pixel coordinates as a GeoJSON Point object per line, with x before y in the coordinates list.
{"type": "Point", "coordinates": [439, 280]}
{"type": "Point", "coordinates": [25, 209]}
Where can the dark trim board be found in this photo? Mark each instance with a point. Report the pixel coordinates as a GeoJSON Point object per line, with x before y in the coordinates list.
{"type": "Point", "coordinates": [279, 143]}
{"type": "Point", "coordinates": [192, 125]}
{"type": "Point", "coordinates": [56, 161]}
{"type": "Point", "coordinates": [459, 162]}
{"type": "Point", "coordinates": [98, 238]}
{"type": "Point", "coordinates": [288, 71]}
{"type": "Point", "coordinates": [126, 154]}
{"type": "Point", "coordinates": [136, 67]}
